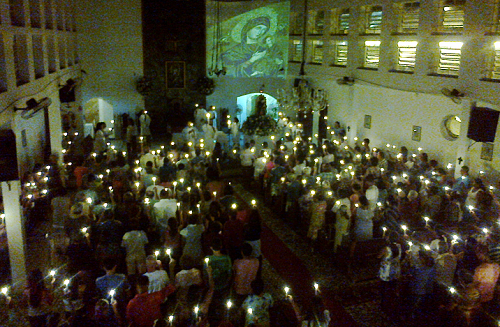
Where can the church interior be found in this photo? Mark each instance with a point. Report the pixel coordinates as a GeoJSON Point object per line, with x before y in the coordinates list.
{"type": "Point", "coordinates": [293, 111]}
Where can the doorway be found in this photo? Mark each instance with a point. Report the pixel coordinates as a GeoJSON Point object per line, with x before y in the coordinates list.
{"type": "Point", "coordinates": [246, 105]}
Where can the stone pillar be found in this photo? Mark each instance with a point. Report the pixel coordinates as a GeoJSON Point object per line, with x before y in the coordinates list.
{"type": "Point", "coordinates": [11, 192]}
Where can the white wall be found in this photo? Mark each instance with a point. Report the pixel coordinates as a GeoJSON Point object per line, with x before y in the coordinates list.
{"type": "Point", "coordinates": [110, 48]}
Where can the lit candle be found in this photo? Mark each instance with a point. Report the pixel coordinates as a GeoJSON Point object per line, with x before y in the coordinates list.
{"type": "Point", "coordinates": [254, 202]}
{"type": "Point", "coordinates": [452, 290]}
{"type": "Point", "coordinates": [169, 253]}
{"type": "Point", "coordinates": [5, 290]}
{"type": "Point", "coordinates": [384, 229]}
{"type": "Point", "coordinates": [171, 319]}
{"type": "Point", "coordinates": [207, 260]}
{"type": "Point", "coordinates": [427, 221]}
{"type": "Point", "coordinates": [154, 180]}
{"type": "Point", "coordinates": [66, 283]}
{"type": "Point", "coordinates": [316, 288]}
{"type": "Point", "coordinates": [157, 253]}
{"type": "Point", "coordinates": [112, 294]}
{"type": "Point", "coordinates": [404, 228]}
{"type": "Point", "coordinates": [287, 289]}
{"type": "Point", "coordinates": [196, 309]}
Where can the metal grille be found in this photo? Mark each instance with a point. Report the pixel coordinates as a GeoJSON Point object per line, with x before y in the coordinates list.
{"type": "Point", "coordinates": [316, 47]}
{"type": "Point", "coordinates": [296, 50]}
{"type": "Point", "coordinates": [374, 20]}
{"type": "Point", "coordinates": [453, 15]}
{"type": "Point", "coordinates": [340, 53]}
{"type": "Point", "coordinates": [407, 51]}
{"type": "Point", "coordinates": [372, 54]}
{"type": "Point", "coordinates": [495, 72]}
{"type": "Point", "coordinates": [344, 18]}
{"type": "Point", "coordinates": [449, 57]}
{"type": "Point", "coordinates": [410, 17]}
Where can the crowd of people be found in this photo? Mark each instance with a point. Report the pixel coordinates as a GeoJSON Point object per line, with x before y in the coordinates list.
{"type": "Point", "coordinates": [145, 237]}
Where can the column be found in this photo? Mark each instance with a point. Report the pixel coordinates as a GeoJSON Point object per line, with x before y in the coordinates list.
{"type": "Point", "coordinates": [11, 192]}
{"type": "Point", "coordinates": [315, 129]}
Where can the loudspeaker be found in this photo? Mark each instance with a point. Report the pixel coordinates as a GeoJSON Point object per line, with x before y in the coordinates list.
{"type": "Point", "coordinates": [482, 124]}
{"type": "Point", "coordinates": [8, 156]}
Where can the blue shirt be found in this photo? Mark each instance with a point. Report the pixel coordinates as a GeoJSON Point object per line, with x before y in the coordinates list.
{"type": "Point", "coordinates": [117, 282]}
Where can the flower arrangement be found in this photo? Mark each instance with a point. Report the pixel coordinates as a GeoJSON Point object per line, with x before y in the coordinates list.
{"type": "Point", "coordinates": [261, 125]}
{"type": "Point", "coordinates": [205, 85]}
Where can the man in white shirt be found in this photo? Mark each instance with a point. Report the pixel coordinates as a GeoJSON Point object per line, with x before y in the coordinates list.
{"type": "Point", "coordinates": [158, 278]}
{"type": "Point", "coordinates": [259, 165]}
{"type": "Point", "coordinates": [247, 156]}
{"type": "Point", "coordinates": [164, 209]}
{"type": "Point", "coordinates": [147, 156]}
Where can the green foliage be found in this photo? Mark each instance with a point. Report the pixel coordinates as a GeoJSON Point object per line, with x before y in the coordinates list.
{"type": "Point", "coordinates": [261, 125]}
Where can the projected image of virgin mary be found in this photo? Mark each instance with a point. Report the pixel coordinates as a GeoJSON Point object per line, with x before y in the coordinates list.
{"type": "Point", "coordinates": [243, 59]}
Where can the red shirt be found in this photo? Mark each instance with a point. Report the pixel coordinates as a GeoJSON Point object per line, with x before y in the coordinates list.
{"type": "Point", "coordinates": [144, 309]}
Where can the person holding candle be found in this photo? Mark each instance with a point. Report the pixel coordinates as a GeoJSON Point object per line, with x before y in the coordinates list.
{"type": "Point", "coordinates": [221, 268]}
{"type": "Point", "coordinates": [158, 278]}
{"type": "Point", "coordinates": [144, 308]}
{"type": "Point", "coordinates": [192, 239]}
{"type": "Point", "coordinates": [134, 243]}
{"type": "Point", "coordinates": [259, 303]}
{"type": "Point", "coordinates": [245, 271]}
{"type": "Point", "coordinates": [389, 274]}
{"type": "Point", "coordinates": [38, 298]}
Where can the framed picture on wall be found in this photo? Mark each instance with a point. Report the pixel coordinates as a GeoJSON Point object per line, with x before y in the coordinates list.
{"type": "Point", "coordinates": [487, 151]}
{"type": "Point", "coordinates": [416, 133]}
{"type": "Point", "coordinates": [175, 72]}
{"type": "Point", "coordinates": [368, 122]}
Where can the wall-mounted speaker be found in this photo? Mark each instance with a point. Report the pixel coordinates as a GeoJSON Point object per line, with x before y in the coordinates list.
{"type": "Point", "coordinates": [8, 156]}
{"type": "Point", "coordinates": [482, 124]}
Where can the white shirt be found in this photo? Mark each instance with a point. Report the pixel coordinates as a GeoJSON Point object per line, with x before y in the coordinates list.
{"type": "Point", "coordinates": [147, 157]}
{"type": "Point", "coordinates": [134, 242]}
{"type": "Point", "coordinates": [247, 157]}
{"type": "Point", "coordinates": [158, 280]}
{"type": "Point", "coordinates": [260, 165]}
{"type": "Point", "coordinates": [372, 196]}
{"type": "Point", "coordinates": [165, 209]}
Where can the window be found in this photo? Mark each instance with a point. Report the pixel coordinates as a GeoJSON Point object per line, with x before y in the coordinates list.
{"type": "Point", "coordinates": [35, 13]}
{"type": "Point", "coordinates": [373, 19]}
{"type": "Point", "coordinates": [340, 21]}
{"type": "Point", "coordinates": [21, 62]}
{"type": "Point", "coordinates": [409, 13]}
{"type": "Point", "coordinates": [296, 23]}
{"type": "Point", "coordinates": [339, 53]}
{"type": "Point", "coordinates": [450, 127]}
{"type": "Point", "coordinates": [316, 22]}
{"type": "Point", "coordinates": [316, 51]}
{"type": "Point", "coordinates": [296, 50]}
{"type": "Point", "coordinates": [495, 72]}
{"type": "Point", "coordinates": [37, 41]}
{"type": "Point", "coordinates": [3, 67]}
{"type": "Point", "coordinates": [407, 51]}
{"type": "Point", "coordinates": [449, 58]}
{"type": "Point", "coordinates": [372, 53]}
{"type": "Point", "coordinates": [16, 12]}
{"type": "Point", "coordinates": [48, 14]}
{"type": "Point", "coordinates": [453, 15]}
